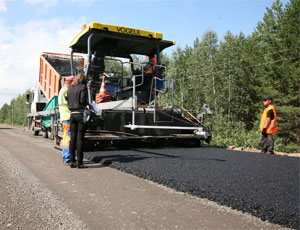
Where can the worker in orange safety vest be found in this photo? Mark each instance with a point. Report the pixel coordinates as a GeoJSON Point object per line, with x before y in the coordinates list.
{"type": "Point", "coordinates": [151, 65]}
{"type": "Point", "coordinates": [268, 126]}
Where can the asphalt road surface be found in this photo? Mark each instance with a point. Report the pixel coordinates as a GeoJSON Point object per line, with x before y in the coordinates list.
{"type": "Point", "coordinates": [39, 192]}
{"type": "Point", "coordinates": [266, 186]}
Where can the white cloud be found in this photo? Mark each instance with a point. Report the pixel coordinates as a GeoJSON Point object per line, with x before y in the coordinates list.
{"type": "Point", "coordinates": [43, 4]}
{"type": "Point", "coordinates": [49, 2]}
{"type": "Point", "coordinates": [3, 5]}
{"type": "Point", "coordinates": [20, 49]}
{"type": "Point", "coordinates": [81, 2]}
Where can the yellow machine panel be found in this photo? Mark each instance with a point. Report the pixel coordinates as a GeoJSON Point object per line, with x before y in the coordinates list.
{"type": "Point", "coordinates": [118, 41]}
{"type": "Point", "coordinates": [116, 29]}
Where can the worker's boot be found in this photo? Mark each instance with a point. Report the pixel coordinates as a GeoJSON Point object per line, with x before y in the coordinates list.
{"type": "Point", "coordinates": [72, 165]}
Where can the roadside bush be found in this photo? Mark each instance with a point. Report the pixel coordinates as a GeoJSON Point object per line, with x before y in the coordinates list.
{"type": "Point", "coordinates": [234, 133]}
{"type": "Point", "coordinates": [226, 134]}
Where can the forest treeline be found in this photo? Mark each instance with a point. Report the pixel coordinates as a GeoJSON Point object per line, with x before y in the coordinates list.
{"type": "Point", "coordinates": [15, 113]}
{"type": "Point", "coordinates": [231, 75]}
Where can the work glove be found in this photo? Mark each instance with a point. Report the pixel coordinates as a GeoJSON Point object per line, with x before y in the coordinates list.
{"type": "Point", "coordinates": [264, 132]}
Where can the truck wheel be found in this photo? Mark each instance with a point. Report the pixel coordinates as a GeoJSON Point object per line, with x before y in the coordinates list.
{"type": "Point", "coordinates": [57, 141]}
{"type": "Point", "coordinates": [45, 134]}
{"type": "Point", "coordinates": [36, 132]}
{"type": "Point", "coordinates": [50, 135]}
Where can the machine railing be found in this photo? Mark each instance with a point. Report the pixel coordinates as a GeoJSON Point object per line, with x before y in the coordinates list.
{"type": "Point", "coordinates": [165, 88]}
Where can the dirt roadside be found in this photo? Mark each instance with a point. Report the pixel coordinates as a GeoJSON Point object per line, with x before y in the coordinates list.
{"type": "Point", "coordinates": [232, 147]}
{"type": "Point", "coordinates": [39, 192]}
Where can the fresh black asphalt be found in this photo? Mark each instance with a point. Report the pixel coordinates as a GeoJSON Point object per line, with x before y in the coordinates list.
{"type": "Point", "coordinates": [266, 186]}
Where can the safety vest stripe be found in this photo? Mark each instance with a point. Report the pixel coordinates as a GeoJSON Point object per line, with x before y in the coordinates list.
{"type": "Point", "coordinates": [274, 127]}
{"type": "Point", "coordinates": [269, 128]}
{"type": "Point", "coordinates": [272, 122]}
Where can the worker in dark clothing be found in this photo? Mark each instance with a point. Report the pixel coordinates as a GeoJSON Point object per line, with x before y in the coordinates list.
{"type": "Point", "coordinates": [77, 101]}
{"type": "Point", "coordinates": [151, 65]}
{"type": "Point", "coordinates": [268, 126]}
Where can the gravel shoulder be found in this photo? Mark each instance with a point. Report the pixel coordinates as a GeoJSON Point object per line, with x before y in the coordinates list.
{"type": "Point", "coordinates": [39, 192]}
{"type": "Point", "coordinates": [26, 202]}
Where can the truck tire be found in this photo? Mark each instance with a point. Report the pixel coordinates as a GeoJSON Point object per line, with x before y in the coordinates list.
{"type": "Point", "coordinates": [57, 141]}
{"type": "Point", "coordinates": [45, 134]}
{"type": "Point", "coordinates": [50, 135]}
{"type": "Point", "coordinates": [36, 132]}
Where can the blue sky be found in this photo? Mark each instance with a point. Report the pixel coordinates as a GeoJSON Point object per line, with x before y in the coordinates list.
{"type": "Point", "coordinates": [29, 27]}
